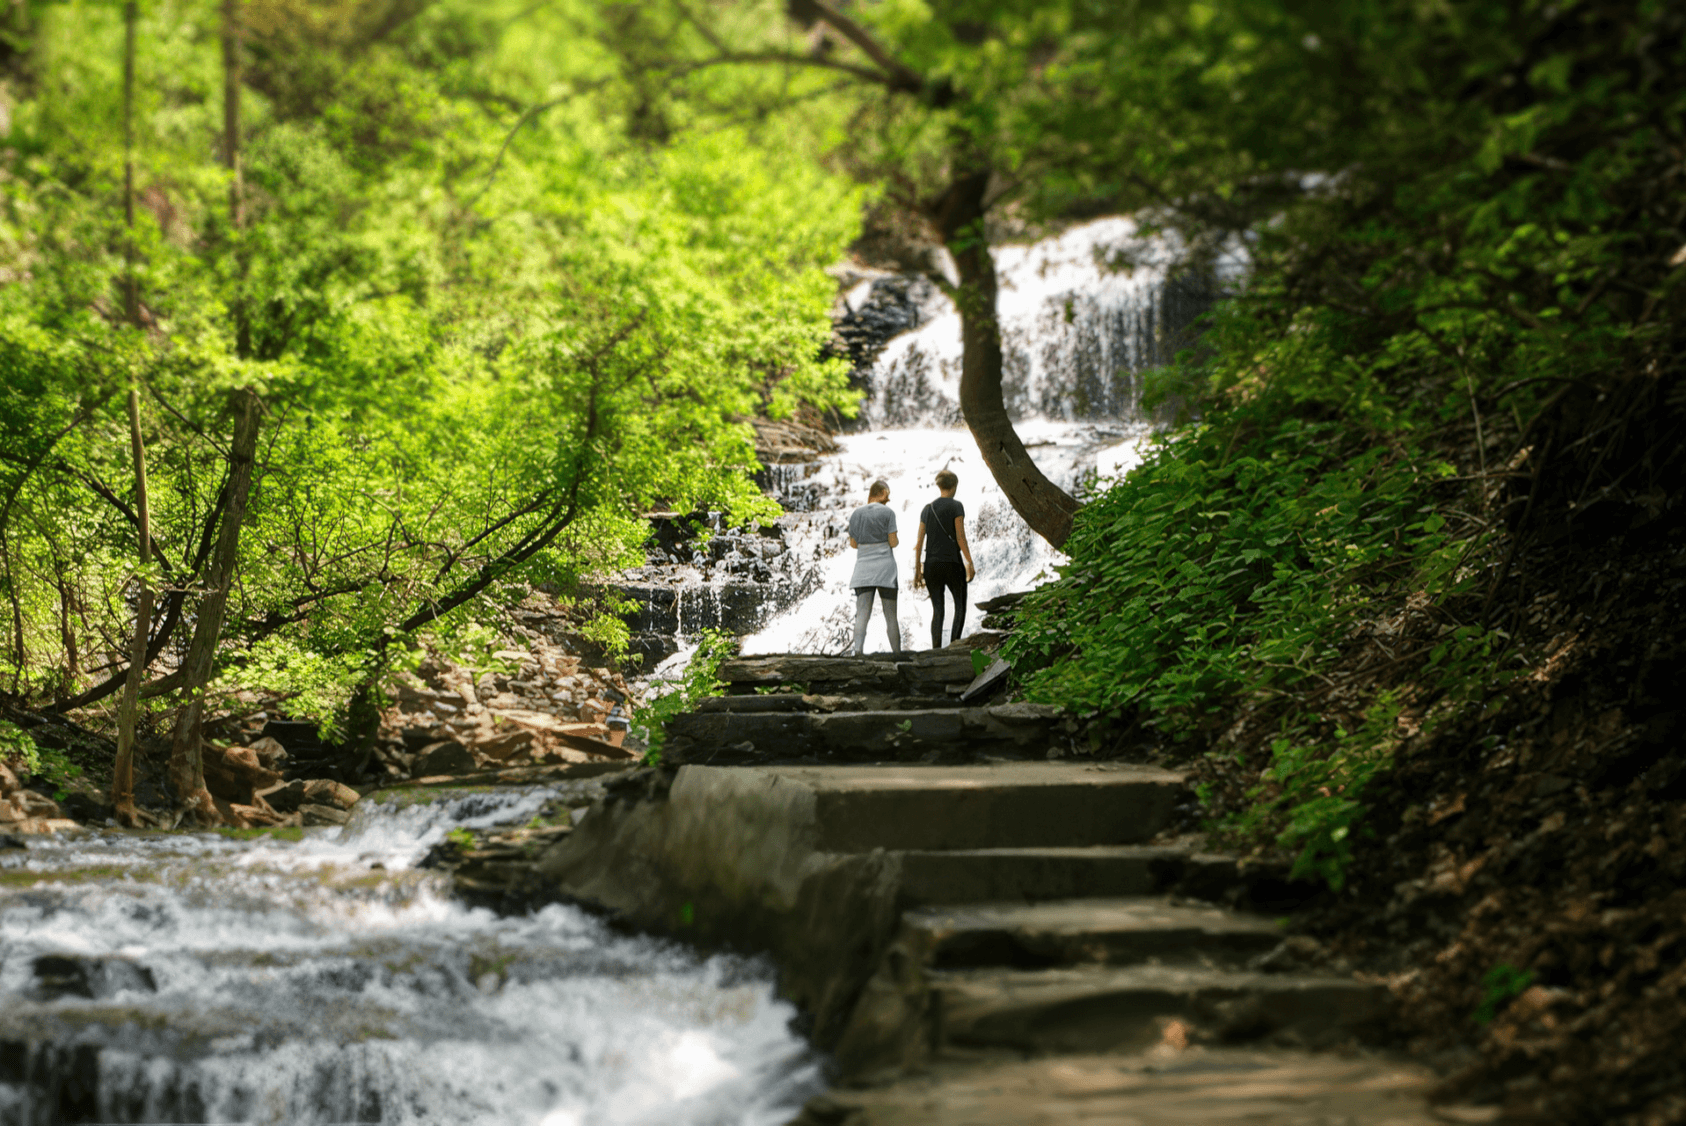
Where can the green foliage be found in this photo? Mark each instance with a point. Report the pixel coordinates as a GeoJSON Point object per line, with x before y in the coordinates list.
{"type": "Point", "coordinates": [462, 838]}
{"type": "Point", "coordinates": [313, 686]}
{"type": "Point", "coordinates": [1319, 792]}
{"type": "Point", "coordinates": [1211, 571]}
{"type": "Point", "coordinates": [489, 328]}
{"type": "Point", "coordinates": [17, 749]}
{"type": "Point", "coordinates": [28, 759]}
{"type": "Point", "coordinates": [700, 680]}
{"type": "Point", "coordinates": [1499, 985]}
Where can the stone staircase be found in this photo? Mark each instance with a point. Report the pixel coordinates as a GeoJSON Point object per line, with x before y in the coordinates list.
{"type": "Point", "coordinates": [802, 708]}
{"type": "Point", "coordinates": [953, 899]}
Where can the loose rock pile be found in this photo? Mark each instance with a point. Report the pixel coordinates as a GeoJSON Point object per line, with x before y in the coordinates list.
{"type": "Point", "coordinates": [552, 707]}
{"type": "Point", "coordinates": [25, 811]}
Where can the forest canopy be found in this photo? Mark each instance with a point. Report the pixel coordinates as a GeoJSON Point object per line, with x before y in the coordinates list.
{"type": "Point", "coordinates": [486, 326]}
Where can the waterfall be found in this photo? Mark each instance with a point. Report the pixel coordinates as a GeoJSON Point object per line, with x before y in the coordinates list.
{"type": "Point", "coordinates": [1079, 328]}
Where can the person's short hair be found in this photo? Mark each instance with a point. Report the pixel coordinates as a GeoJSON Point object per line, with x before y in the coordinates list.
{"type": "Point", "coordinates": [880, 488]}
{"type": "Point", "coordinates": [947, 481]}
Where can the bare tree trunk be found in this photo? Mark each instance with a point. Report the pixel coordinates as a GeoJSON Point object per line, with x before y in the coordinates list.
{"type": "Point", "coordinates": [123, 771]}
{"type": "Point", "coordinates": [959, 218]}
{"type": "Point", "coordinates": [231, 108]}
{"type": "Point", "coordinates": [187, 769]}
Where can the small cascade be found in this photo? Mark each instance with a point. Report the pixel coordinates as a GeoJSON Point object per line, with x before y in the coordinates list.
{"type": "Point", "coordinates": [196, 978]}
{"type": "Point", "coordinates": [1078, 327]}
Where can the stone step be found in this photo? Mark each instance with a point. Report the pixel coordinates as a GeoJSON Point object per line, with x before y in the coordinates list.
{"type": "Point", "coordinates": [1171, 1086]}
{"type": "Point", "coordinates": [849, 809]}
{"type": "Point", "coordinates": [927, 673]}
{"type": "Point", "coordinates": [726, 737]}
{"type": "Point", "coordinates": [791, 702]}
{"type": "Point", "coordinates": [1072, 931]}
{"type": "Point", "coordinates": [1030, 874]}
{"type": "Point", "coordinates": [1107, 1009]}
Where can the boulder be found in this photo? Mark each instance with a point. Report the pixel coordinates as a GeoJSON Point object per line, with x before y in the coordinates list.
{"type": "Point", "coordinates": [235, 774]}
{"type": "Point", "coordinates": [271, 754]}
{"type": "Point", "coordinates": [36, 805]}
{"type": "Point", "coordinates": [325, 791]}
{"type": "Point", "coordinates": [323, 815]}
{"type": "Point", "coordinates": [8, 780]}
{"type": "Point", "coordinates": [11, 812]}
{"type": "Point", "coordinates": [242, 816]}
{"type": "Point", "coordinates": [506, 746]}
{"type": "Point", "coordinates": [448, 757]}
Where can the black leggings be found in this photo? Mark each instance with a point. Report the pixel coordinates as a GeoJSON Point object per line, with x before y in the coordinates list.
{"type": "Point", "coordinates": [951, 576]}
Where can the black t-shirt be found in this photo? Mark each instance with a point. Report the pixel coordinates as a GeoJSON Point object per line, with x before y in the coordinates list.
{"type": "Point", "coordinates": [941, 544]}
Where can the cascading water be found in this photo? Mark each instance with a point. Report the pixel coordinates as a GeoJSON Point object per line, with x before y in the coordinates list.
{"type": "Point", "coordinates": [1077, 334]}
{"type": "Point", "coordinates": [194, 978]}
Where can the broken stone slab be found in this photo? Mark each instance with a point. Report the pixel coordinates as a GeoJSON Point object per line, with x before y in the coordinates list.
{"type": "Point", "coordinates": [1002, 602]}
{"type": "Point", "coordinates": [320, 791]}
{"type": "Point", "coordinates": [937, 671]}
{"type": "Point", "coordinates": [323, 815]}
{"type": "Point", "coordinates": [507, 745]}
{"type": "Point", "coordinates": [1115, 931]}
{"type": "Point", "coordinates": [993, 679]}
{"type": "Point", "coordinates": [1103, 1009]}
{"type": "Point", "coordinates": [448, 757]}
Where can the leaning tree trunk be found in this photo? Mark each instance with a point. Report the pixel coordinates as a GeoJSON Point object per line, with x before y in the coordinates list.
{"type": "Point", "coordinates": [959, 217]}
{"type": "Point", "coordinates": [187, 767]}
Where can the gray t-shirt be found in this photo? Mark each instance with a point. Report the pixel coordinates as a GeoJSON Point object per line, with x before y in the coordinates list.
{"type": "Point", "coordinates": [875, 563]}
{"type": "Point", "coordinates": [872, 523]}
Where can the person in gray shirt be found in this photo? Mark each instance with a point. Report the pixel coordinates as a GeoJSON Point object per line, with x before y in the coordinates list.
{"type": "Point", "coordinates": [872, 533]}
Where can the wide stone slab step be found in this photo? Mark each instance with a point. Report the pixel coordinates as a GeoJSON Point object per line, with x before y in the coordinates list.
{"type": "Point", "coordinates": [921, 673]}
{"type": "Point", "coordinates": [728, 736]}
{"type": "Point", "coordinates": [1072, 931]}
{"type": "Point", "coordinates": [792, 702]}
{"type": "Point", "coordinates": [1170, 1086]}
{"type": "Point", "coordinates": [1105, 1009]}
{"type": "Point", "coordinates": [1031, 874]}
{"type": "Point", "coordinates": [850, 809]}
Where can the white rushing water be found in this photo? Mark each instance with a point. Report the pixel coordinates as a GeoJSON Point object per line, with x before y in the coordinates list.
{"type": "Point", "coordinates": [330, 980]}
{"type": "Point", "coordinates": [1007, 554]}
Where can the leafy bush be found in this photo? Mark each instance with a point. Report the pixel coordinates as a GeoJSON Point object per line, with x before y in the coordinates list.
{"type": "Point", "coordinates": [28, 759]}
{"type": "Point", "coordinates": [1201, 575]}
{"type": "Point", "coordinates": [700, 680]}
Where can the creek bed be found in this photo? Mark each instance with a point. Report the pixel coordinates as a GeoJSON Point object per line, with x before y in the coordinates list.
{"type": "Point", "coordinates": [193, 977]}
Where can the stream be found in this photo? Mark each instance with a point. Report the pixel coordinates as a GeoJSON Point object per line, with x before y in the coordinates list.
{"type": "Point", "coordinates": [190, 977]}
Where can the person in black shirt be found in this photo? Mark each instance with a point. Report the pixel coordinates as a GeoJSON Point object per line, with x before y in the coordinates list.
{"type": "Point", "coordinates": [938, 559]}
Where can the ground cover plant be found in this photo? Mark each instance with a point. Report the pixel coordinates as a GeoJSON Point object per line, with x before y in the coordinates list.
{"type": "Point", "coordinates": [1401, 597]}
